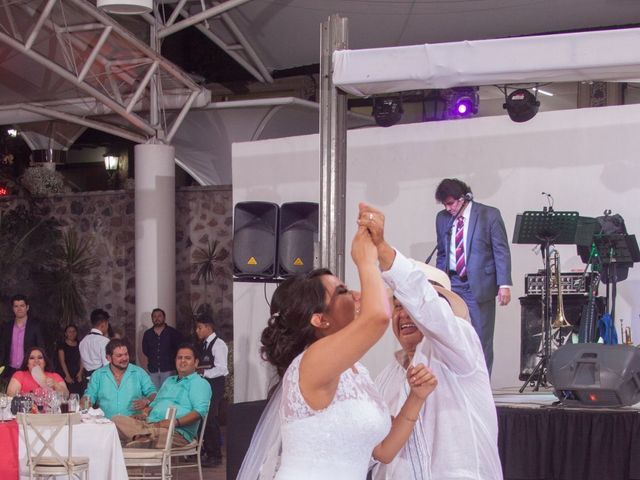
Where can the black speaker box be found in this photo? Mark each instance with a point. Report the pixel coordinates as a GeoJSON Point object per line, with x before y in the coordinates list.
{"type": "Point", "coordinates": [298, 235]}
{"type": "Point", "coordinates": [255, 239]}
{"type": "Point", "coordinates": [594, 374]}
{"type": "Point", "coordinates": [531, 325]}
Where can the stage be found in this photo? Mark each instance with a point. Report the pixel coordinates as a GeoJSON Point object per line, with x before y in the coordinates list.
{"type": "Point", "coordinates": [537, 440]}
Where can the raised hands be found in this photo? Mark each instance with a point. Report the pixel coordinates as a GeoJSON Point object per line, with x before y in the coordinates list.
{"type": "Point", "coordinates": [373, 220]}
{"type": "Point", "coordinates": [363, 250]}
{"type": "Point", "coordinates": [421, 380]}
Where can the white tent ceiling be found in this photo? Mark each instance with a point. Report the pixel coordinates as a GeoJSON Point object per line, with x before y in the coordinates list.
{"type": "Point", "coordinates": [64, 50]}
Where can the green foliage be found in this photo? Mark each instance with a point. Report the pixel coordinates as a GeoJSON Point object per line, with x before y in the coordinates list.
{"type": "Point", "coordinates": [207, 267]}
{"type": "Point", "coordinates": [207, 261]}
{"type": "Point", "coordinates": [68, 272]}
{"type": "Point", "coordinates": [27, 239]}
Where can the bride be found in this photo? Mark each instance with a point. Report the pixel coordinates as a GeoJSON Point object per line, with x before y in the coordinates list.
{"type": "Point", "coordinates": [326, 409]}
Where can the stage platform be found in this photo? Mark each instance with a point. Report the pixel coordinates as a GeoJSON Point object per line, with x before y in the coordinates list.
{"type": "Point", "coordinates": [537, 440]}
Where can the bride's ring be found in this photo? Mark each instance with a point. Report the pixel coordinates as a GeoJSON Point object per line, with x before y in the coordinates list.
{"type": "Point", "coordinates": [370, 216]}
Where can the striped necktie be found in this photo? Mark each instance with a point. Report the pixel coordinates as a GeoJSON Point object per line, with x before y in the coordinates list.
{"type": "Point", "coordinates": [461, 267]}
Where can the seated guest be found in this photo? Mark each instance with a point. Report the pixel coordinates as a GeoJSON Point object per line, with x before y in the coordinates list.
{"type": "Point", "coordinates": [120, 388]}
{"type": "Point", "coordinates": [23, 382]}
{"type": "Point", "coordinates": [187, 391]}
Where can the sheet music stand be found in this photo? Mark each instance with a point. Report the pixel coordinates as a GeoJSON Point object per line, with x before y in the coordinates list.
{"type": "Point", "coordinates": [613, 250]}
{"type": "Point", "coordinates": [544, 228]}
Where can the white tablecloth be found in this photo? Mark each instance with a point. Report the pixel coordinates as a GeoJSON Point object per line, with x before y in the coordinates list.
{"type": "Point", "coordinates": [99, 442]}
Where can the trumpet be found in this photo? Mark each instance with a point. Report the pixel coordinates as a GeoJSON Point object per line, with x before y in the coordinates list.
{"type": "Point", "coordinates": [560, 320]}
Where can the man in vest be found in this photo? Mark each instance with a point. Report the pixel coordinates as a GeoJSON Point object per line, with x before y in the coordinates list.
{"type": "Point", "coordinates": [93, 346]}
{"type": "Point", "coordinates": [213, 367]}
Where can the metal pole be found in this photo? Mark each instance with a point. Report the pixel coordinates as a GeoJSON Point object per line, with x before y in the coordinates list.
{"type": "Point", "coordinates": [333, 149]}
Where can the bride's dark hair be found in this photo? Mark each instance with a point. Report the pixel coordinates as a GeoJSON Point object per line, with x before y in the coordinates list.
{"type": "Point", "coordinates": [288, 330]}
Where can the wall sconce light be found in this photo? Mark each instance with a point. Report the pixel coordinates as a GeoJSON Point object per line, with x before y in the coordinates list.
{"type": "Point", "coordinates": [111, 162]}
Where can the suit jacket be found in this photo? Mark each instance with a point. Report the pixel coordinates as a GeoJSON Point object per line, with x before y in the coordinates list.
{"type": "Point", "coordinates": [488, 258]}
{"type": "Point", "coordinates": [32, 338]}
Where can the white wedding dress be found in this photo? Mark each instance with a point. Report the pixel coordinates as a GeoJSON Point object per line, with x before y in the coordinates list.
{"type": "Point", "coordinates": [335, 443]}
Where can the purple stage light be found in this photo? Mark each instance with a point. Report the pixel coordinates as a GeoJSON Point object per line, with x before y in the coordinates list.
{"type": "Point", "coordinates": [463, 106]}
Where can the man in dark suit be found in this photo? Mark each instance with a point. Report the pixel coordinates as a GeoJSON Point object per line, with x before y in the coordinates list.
{"type": "Point", "coordinates": [474, 251]}
{"type": "Point", "coordinates": [19, 335]}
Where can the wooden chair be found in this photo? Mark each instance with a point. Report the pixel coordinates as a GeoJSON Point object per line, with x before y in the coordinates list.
{"type": "Point", "coordinates": [194, 448]}
{"type": "Point", "coordinates": [142, 458]}
{"type": "Point", "coordinates": [43, 459]}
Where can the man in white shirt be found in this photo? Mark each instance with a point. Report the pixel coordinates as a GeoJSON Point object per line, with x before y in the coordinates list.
{"type": "Point", "coordinates": [213, 367]}
{"type": "Point", "coordinates": [93, 345]}
{"type": "Point", "coordinates": [456, 434]}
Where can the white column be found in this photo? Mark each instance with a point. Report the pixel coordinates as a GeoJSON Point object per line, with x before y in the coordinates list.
{"type": "Point", "coordinates": [155, 236]}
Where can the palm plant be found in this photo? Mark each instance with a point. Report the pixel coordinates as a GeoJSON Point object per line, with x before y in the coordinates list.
{"type": "Point", "coordinates": [69, 269]}
{"type": "Point", "coordinates": [207, 264]}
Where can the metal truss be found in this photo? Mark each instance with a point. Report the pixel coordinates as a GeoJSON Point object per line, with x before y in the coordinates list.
{"type": "Point", "coordinates": [221, 30]}
{"type": "Point", "coordinates": [86, 53]}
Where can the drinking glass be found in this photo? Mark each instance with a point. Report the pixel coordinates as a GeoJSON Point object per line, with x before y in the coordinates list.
{"type": "Point", "coordinates": [39, 398]}
{"type": "Point", "coordinates": [74, 402]}
{"type": "Point", "coordinates": [4, 403]}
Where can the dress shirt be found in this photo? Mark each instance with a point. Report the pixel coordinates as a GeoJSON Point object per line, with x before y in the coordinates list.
{"type": "Point", "coordinates": [116, 399]}
{"type": "Point", "coordinates": [220, 352]}
{"type": "Point", "coordinates": [456, 435]}
{"type": "Point", "coordinates": [466, 214]}
{"type": "Point", "coordinates": [187, 394]}
{"type": "Point", "coordinates": [161, 350]}
{"type": "Point", "coordinates": [93, 350]}
{"type": "Point", "coordinates": [17, 345]}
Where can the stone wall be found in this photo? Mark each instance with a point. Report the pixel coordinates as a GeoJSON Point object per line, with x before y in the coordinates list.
{"type": "Point", "coordinates": [203, 216]}
{"type": "Point", "coordinates": [204, 234]}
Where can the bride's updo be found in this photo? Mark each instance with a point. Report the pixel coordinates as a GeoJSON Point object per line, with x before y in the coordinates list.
{"type": "Point", "coordinates": [289, 330]}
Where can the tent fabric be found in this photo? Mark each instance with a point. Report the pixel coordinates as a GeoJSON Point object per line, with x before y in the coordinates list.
{"type": "Point", "coordinates": [603, 55]}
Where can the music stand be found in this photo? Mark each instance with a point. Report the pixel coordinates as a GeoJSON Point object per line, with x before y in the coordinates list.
{"type": "Point", "coordinates": [544, 228]}
{"type": "Point", "coordinates": [613, 250]}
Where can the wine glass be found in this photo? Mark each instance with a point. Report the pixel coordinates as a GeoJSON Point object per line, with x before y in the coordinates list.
{"type": "Point", "coordinates": [74, 402]}
{"type": "Point", "coordinates": [39, 398]}
{"type": "Point", "coordinates": [4, 403]}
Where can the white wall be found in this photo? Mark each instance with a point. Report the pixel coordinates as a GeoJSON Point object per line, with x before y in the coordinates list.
{"type": "Point", "coordinates": [587, 159]}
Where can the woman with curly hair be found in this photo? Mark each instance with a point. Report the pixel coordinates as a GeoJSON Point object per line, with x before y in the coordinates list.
{"type": "Point", "coordinates": [326, 410]}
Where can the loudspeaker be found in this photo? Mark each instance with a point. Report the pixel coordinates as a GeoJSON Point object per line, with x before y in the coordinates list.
{"type": "Point", "coordinates": [255, 227]}
{"type": "Point", "coordinates": [531, 325]}
{"type": "Point", "coordinates": [297, 238]}
{"type": "Point", "coordinates": [595, 374]}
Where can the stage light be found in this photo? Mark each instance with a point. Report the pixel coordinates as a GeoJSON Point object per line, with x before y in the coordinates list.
{"type": "Point", "coordinates": [126, 7]}
{"type": "Point", "coordinates": [12, 132]}
{"type": "Point", "coordinates": [521, 105]}
{"type": "Point", "coordinates": [462, 102]}
{"type": "Point", "coordinates": [387, 111]}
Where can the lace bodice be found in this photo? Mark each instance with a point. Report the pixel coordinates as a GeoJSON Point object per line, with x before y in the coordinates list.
{"type": "Point", "coordinates": [334, 443]}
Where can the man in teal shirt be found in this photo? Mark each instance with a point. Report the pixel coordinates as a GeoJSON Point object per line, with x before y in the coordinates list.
{"type": "Point", "coordinates": [120, 388]}
{"type": "Point", "coordinates": [187, 391]}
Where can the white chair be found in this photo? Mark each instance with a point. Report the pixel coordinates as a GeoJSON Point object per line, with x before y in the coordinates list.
{"type": "Point", "coordinates": [142, 458]}
{"type": "Point", "coordinates": [43, 459]}
{"type": "Point", "coordinates": [194, 448]}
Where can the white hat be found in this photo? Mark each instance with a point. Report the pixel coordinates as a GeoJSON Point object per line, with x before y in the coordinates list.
{"type": "Point", "coordinates": [441, 282]}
